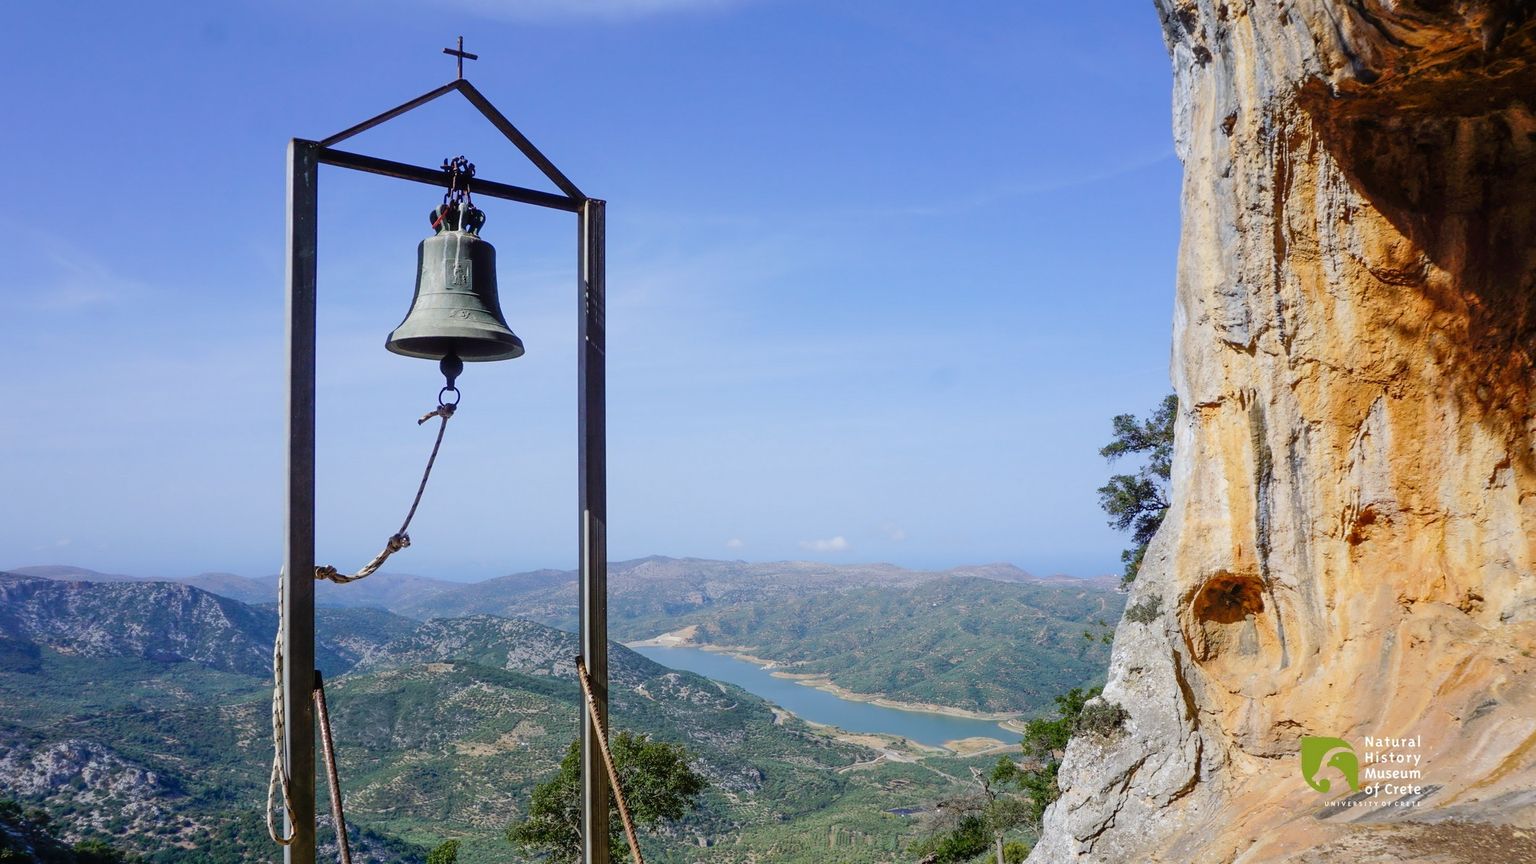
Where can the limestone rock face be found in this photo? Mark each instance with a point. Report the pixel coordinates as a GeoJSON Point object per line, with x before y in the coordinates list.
{"type": "Point", "coordinates": [1351, 548]}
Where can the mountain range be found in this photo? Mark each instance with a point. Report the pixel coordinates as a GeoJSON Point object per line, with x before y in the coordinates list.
{"type": "Point", "coordinates": [990, 638]}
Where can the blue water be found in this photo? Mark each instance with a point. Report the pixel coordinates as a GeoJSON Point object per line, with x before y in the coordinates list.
{"type": "Point", "coordinates": [819, 706]}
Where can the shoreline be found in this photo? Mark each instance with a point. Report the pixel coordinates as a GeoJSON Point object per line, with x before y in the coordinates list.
{"type": "Point", "coordinates": [895, 748]}
{"type": "Point", "coordinates": [1011, 721]}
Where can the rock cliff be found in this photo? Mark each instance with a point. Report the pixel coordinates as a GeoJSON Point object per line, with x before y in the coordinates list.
{"type": "Point", "coordinates": [1350, 550]}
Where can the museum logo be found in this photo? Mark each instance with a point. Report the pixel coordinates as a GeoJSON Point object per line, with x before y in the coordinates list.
{"type": "Point", "coordinates": [1384, 772]}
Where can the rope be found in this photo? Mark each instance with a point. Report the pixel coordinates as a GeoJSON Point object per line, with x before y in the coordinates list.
{"type": "Point", "coordinates": [279, 777]}
{"type": "Point", "coordinates": [343, 847]}
{"type": "Point", "coordinates": [399, 540]}
{"type": "Point", "coordinates": [613, 774]}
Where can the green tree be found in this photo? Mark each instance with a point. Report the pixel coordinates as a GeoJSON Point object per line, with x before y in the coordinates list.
{"type": "Point", "coordinates": [971, 825]}
{"type": "Point", "coordinates": [32, 836]}
{"type": "Point", "coordinates": [97, 852]}
{"type": "Point", "coordinates": [658, 786]}
{"type": "Point", "coordinates": [969, 839]}
{"type": "Point", "coordinates": [446, 853]}
{"type": "Point", "coordinates": [1043, 742]}
{"type": "Point", "coordinates": [1045, 738]}
{"type": "Point", "coordinates": [1138, 502]}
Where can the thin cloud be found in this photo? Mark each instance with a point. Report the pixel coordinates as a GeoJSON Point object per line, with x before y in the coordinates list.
{"type": "Point", "coordinates": [832, 544]}
{"type": "Point", "coordinates": [566, 10]}
{"type": "Point", "coordinates": [1006, 191]}
{"type": "Point", "coordinates": [734, 543]}
{"type": "Point", "coordinates": [75, 280]}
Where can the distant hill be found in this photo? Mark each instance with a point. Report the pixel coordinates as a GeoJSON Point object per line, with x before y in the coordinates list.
{"type": "Point", "coordinates": [174, 622]}
{"type": "Point", "coordinates": [649, 589]}
{"type": "Point", "coordinates": [642, 589]}
{"type": "Point", "coordinates": [68, 572]}
{"type": "Point", "coordinates": [246, 589]}
{"type": "Point", "coordinates": [383, 590]}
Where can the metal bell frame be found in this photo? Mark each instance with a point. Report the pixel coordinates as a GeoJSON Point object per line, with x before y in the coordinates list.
{"type": "Point", "coordinates": [298, 597]}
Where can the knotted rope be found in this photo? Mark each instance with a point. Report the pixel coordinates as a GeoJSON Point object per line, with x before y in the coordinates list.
{"type": "Point", "coordinates": [399, 540]}
{"type": "Point", "coordinates": [613, 773]}
{"type": "Point", "coordinates": [279, 779]}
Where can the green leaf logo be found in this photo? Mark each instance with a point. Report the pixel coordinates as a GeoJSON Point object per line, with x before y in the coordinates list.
{"type": "Point", "coordinates": [1318, 752]}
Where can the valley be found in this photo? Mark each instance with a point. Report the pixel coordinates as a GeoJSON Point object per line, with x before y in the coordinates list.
{"type": "Point", "coordinates": [818, 705]}
{"type": "Point", "coordinates": [136, 710]}
{"type": "Point", "coordinates": [991, 639]}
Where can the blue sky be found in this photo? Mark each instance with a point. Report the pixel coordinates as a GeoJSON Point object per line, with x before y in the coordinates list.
{"type": "Point", "coordinates": [879, 272]}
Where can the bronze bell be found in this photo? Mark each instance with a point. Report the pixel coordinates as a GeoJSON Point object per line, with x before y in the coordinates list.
{"type": "Point", "coordinates": [455, 311]}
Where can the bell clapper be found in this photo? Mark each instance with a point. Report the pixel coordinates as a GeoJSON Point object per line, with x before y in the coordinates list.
{"type": "Point", "coordinates": [451, 367]}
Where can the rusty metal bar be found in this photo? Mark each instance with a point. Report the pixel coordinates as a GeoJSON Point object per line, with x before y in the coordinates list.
{"type": "Point", "coordinates": [389, 115]}
{"type": "Point", "coordinates": [592, 444]}
{"type": "Point", "coordinates": [501, 122]}
{"type": "Point", "coordinates": [298, 597]}
{"type": "Point", "coordinates": [437, 177]}
{"type": "Point", "coordinates": [333, 782]}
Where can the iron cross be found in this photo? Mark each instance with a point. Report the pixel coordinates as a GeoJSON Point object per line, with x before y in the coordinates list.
{"type": "Point", "coordinates": [461, 54]}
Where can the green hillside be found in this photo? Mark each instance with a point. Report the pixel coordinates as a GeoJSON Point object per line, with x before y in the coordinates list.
{"type": "Point", "coordinates": [965, 642]}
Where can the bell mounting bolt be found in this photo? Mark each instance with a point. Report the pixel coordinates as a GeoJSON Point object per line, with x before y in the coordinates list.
{"type": "Point", "coordinates": [458, 211]}
{"type": "Point", "coordinates": [460, 171]}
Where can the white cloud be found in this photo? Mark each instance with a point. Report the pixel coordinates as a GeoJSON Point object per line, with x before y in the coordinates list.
{"type": "Point", "coordinates": [895, 533]}
{"type": "Point", "coordinates": [834, 544]}
{"type": "Point", "coordinates": [734, 543]}
{"type": "Point", "coordinates": [544, 10]}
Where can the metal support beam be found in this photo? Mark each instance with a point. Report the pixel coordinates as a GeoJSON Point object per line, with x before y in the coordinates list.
{"type": "Point", "coordinates": [592, 436]}
{"type": "Point", "coordinates": [298, 598]}
{"type": "Point", "coordinates": [436, 177]}
{"type": "Point", "coordinates": [390, 114]}
{"type": "Point", "coordinates": [518, 139]}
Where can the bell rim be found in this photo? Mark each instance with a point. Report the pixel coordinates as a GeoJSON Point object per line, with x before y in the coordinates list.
{"type": "Point", "coordinates": [514, 348]}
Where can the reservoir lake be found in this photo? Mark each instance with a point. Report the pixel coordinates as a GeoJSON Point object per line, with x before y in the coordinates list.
{"type": "Point", "coordinates": [819, 706]}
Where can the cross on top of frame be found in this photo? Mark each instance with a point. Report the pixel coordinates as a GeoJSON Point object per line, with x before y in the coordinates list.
{"type": "Point", "coordinates": [461, 55]}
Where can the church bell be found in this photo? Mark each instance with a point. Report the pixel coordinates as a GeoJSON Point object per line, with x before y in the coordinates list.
{"type": "Point", "coordinates": [455, 311]}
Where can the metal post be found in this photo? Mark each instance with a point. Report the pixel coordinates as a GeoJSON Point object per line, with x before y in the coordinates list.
{"type": "Point", "coordinates": [592, 443]}
{"type": "Point", "coordinates": [298, 597]}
